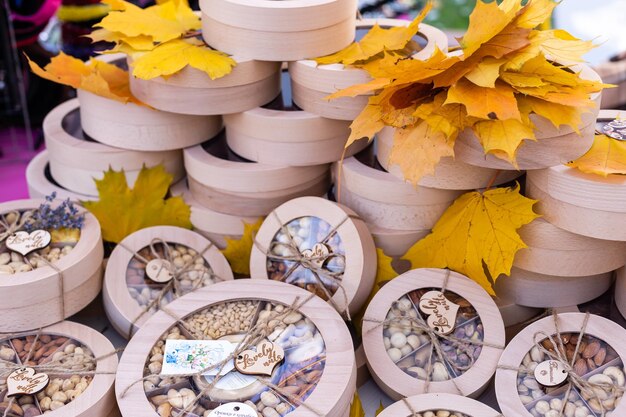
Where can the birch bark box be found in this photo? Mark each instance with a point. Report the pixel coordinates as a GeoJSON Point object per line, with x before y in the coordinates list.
{"type": "Point", "coordinates": [580, 349]}
{"type": "Point", "coordinates": [214, 225]}
{"type": "Point", "coordinates": [224, 182]}
{"type": "Point", "coordinates": [577, 268]}
{"type": "Point", "coordinates": [76, 159]}
{"type": "Point", "coordinates": [312, 83]}
{"type": "Point", "coordinates": [40, 182]}
{"type": "Point", "coordinates": [192, 92]}
{"type": "Point", "coordinates": [318, 245]}
{"type": "Point", "coordinates": [49, 284]}
{"type": "Point", "coordinates": [141, 128]}
{"type": "Point", "coordinates": [285, 31]}
{"type": "Point", "coordinates": [435, 405]}
{"type": "Point", "coordinates": [318, 372]}
{"type": "Point", "coordinates": [83, 363]}
{"type": "Point", "coordinates": [586, 204]}
{"type": "Point", "coordinates": [132, 292]}
{"type": "Point", "coordinates": [554, 146]}
{"type": "Point", "coordinates": [403, 356]}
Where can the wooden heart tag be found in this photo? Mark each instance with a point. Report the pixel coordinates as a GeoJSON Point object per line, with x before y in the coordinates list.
{"type": "Point", "coordinates": [441, 312]}
{"type": "Point", "coordinates": [261, 361]}
{"type": "Point", "coordinates": [24, 242]}
{"type": "Point", "coordinates": [158, 270]}
{"type": "Point", "coordinates": [25, 381]}
{"type": "Point", "coordinates": [317, 255]}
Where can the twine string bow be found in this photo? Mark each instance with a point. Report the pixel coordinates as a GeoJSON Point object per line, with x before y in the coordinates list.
{"type": "Point", "coordinates": [87, 367]}
{"type": "Point", "coordinates": [315, 263]}
{"type": "Point", "coordinates": [178, 273]}
{"type": "Point", "coordinates": [436, 347]}
{"type": "Point", "coordinates": [16, 225]}
{"type": "Point", "coordinates": [558, 353]}
{"type": "Point", "coordinates": [257, 333]}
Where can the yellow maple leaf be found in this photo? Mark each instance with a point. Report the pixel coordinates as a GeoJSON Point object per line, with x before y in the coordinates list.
{"type": "Point", "coordinates": [477, 228]}
{"type": "Point", "coordinates": [170, 57]}
{"type": "Point", "coordinates": [356, 408]}
{"type": "Point", "coordinates": [238, 251]}
{"type": "Point", "coordinates": [376, 41]}
{"type": "Point", "coordinates": [485, 22]}
{"type": "Point", "coordinates": [484, 102]}
{"type": "Point", "coordinates": [558, 114]}
{"type": "Point", "coordinates": [486, 72]}
{"type": "Point", "coordinates": [122, 210]}
{"type": "Point", "coordinates": [97, 77]}
{"type": "Point", "coordinates": [561, 45]}
{"type": "Point", "coordinates": [163, 22]}
{"type": "Point", "coordinates": [418, 149]}
{"type": "Point", "coordinates": [503, 137]}
{"type": "Point", "coordinates": [606, 156]}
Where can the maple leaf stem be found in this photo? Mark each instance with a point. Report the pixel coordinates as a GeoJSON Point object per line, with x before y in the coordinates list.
{"type": "Point", "coordinates": [193, 34]}
{"type": "Point", "coordinates": [493, 179]}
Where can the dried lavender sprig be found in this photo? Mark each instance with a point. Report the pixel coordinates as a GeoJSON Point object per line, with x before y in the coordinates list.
{"type": "Point", "coordinates": [65, 215]}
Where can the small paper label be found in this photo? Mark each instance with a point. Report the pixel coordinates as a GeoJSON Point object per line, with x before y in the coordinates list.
{"type": "Point", "coordinates": [189, 356]}
{"type": "Point", "coordinates": [25, 381]}
{"type": "Point", "coordinates": [441, 312]}
{"type": "Point", "coordinates": [317, 255]}
{"type": "Point", "coordinates": [550, 373]}
{"type": "Point", "coordinates": [233, 410]}
{"type": "Point", "coordinates": [260, 361]}
{"type": "Point", "coordinates": [25, 243]}
{"type": "Point", "coordinates": [615, 129]}
{"type": "Point", "coordinates": [158, 270]}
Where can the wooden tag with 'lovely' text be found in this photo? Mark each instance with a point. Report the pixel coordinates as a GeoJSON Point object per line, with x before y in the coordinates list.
{"type": "Point", "coordinates": [25, 381]}
{"type": "Point", "coordinates": [261, 361]}
{"type": "Point", "coordinates": [441, 312]}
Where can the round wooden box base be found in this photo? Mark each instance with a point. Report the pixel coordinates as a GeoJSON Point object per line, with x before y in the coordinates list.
{"type": "Point", "coordinates": [362, 372]}
{"type": "Point", "coordinates": [255, 204]}
{"type": "Point", "coordinates": [544, 291]}
{"type": "Point", "coordinates": [344, 108]}
{"type": "Point", "coordinates": [214, 225]}
{"type": "Point", "coordinates": [393, 216]}
{"type": "Point", "coordinates": [580, 220]}
{"type": "Point", "coordinates": [620, 290]}
{"type": "Point", "coordinates": [175, 98]}
{"type": "Point", "coordinates": [513, 314]}
{"type": "Point", "coordinates": [554, 251]}
{"type": "Point", "coordinates": [396, 243]}
{"type": "Point", "coordinates": [450, 173]}
{"type": "Point", "coordinates": [129, 126]}
{"type": "Point", "coordinates": [41, 185]}
{"type": "Point", "coordinates": [278, 46]}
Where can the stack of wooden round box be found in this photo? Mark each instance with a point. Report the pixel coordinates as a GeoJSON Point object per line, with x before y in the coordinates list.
{"type": "Point", "coordinates": [87, 136]}
{"type": "Point", "coordinates": [577, 244]}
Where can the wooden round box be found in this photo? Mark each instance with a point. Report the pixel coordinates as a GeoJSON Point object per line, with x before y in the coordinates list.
{"type": "Point", "coordinates": [512, 313]}
{"type": "Point", "coordinates": [450, 173]}
{"type": "Point", "coordinates": [319, 245]}
{"type": "Point", "coordinates": [317, 377]}
{"type": "Point", "coordinates": [554, 146]}
{"type": "Point", "coordinates": [76, 159]}
{"type": "Point", "coordinates": [533, 289]}
{"type": "Point", "coordinates": [191, 91]}
{"type": "Point", "coordinates": [620, 290]}
{"type": "Point", "coordinates": [383, 200]}
{"type": "Point", "coordinates": [436, 405]}
{"type": "Point", "coordinates": [585, 204]}
{"type": "Point", "coordinates": [83, 363]}
{"type": "Point", "coordinates": [131, 296]}
{"type": "Point", "coordinates": [282, 134]}
{"type": "Point", "coordinates": [48, 294]}
{"type": "Point", "coordinates": [141, 128]}
{"type": "Point", "coordinates": [40, 181]}
{"type": "Point", "coordinates": [554, 251]}
{"type": "Point", "coordinates": [213, 225]}
{"type": "Point", "coordinates": [285, 31]}
{"type": "Point", "coordinates": [312, 83]}
{"type": "Point", "coordinates": [400, 353]}
{"type": "Point", "coordinates": [598, 360]}
{"type": "Point", "coordinates": [224, 182]}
